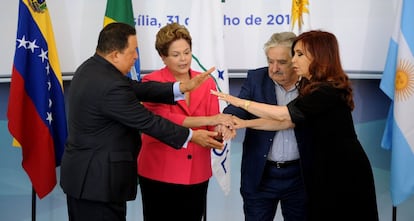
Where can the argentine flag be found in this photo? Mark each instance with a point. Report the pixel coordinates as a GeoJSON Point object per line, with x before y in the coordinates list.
{"type": "Point", "coordinates": [398, 84]}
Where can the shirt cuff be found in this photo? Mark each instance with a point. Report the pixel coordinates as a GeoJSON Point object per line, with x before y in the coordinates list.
{"type": "Point", "coordinates": [178, 96]}
{"type": "Point", "coordinates": [190, 135]}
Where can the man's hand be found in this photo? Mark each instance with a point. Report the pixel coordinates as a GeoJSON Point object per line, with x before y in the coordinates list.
{"type": "Point", "coordinates": [225, 133]}
{"type": "Point", "coordinates": [196, 81]}
{"type": "Point", "coordinates": [206, 139]}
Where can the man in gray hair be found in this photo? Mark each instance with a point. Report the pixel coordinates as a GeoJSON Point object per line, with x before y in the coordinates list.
{"type": "Point", "coordinates": [271, 167]}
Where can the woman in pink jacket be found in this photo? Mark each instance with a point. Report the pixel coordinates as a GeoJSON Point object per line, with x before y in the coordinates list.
{"type": "Point", "coordinates": [174, 182]}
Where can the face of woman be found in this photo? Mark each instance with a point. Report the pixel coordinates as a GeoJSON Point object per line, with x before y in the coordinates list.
{"type": "Point", "coordinates": [301, 60]}
{"type": "Point", "coordinates": [178, 60]}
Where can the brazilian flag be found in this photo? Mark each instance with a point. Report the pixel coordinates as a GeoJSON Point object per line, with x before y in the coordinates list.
{"type": "Point", "coordinates": [122, 11]}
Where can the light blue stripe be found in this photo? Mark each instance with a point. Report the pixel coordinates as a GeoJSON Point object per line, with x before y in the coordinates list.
{"type": "Point", "coordinates": [388, 77]}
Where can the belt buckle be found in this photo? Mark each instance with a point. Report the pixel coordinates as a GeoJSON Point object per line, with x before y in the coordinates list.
{"type": "Point", "coordinates": [278, 165]}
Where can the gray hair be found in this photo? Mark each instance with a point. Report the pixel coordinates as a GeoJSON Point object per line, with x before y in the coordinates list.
{"type": "Point", "coordinates": [280, 39]}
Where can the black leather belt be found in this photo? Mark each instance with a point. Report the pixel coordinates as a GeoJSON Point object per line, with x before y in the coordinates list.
{"type": "Point", "coordinates": [283, 164]}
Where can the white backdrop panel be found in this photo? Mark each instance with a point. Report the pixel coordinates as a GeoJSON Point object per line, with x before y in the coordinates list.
{"type": "Point", "coordinates": [363, 29]}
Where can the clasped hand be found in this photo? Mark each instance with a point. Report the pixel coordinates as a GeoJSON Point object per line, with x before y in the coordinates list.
{"type": "Point", "coordinates": [224, 126]}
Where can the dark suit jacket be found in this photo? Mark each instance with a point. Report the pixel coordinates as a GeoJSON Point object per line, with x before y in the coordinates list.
{"type": "Point", "coordinates": [256, 145]}
{"type": "Point", "coordinates": [105, 119]}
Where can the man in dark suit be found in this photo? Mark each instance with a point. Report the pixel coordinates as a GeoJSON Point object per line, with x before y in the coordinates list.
{"type": "Point", "coordinates": [98, 170]}
{"type": "Point", "coordinates": [270, 169]}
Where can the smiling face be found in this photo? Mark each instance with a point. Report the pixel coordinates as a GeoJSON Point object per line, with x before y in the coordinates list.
{"type": "Point", "coordinates": [301, 60]}
{"type": "Point", "coordinates": [178, 60]}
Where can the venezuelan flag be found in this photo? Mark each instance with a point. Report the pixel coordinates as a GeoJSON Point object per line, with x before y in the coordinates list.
{"type": "Point", "coordinates": [36, 109]}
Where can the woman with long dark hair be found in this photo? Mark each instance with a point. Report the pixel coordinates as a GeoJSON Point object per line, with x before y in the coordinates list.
{"type": "Point", "coordinates": [338, 178]}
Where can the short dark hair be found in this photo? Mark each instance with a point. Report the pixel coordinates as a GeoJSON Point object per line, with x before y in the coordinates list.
{"type": "Point", "coordinates": [114, 37]}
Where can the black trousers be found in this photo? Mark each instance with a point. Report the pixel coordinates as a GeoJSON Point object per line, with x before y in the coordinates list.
{"type": "Point", "coordinates": [166, 201]}
{"type": "Point", "coordinates": [86, 210]}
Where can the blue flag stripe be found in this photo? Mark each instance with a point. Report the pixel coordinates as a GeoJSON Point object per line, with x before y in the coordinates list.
{"type": "Point", "coordinates": [388, 78]}
{"type": "Point", "coordinates": [31, 67]}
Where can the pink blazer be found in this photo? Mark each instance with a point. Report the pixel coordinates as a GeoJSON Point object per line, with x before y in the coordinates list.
{"type": "Point", "coordinates": [161, 162]}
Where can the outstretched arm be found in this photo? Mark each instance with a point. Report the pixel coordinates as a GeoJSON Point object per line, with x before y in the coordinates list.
{"type": "Point", "coordinates": [198, 121]}
{"type": "Point", "coordinates": [262, 124]}
{"type": "Point", "coordinates": [262, 110]}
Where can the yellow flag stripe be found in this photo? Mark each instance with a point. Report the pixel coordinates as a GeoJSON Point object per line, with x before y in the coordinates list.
{"type": "Point", "coordinates": [108, 20]}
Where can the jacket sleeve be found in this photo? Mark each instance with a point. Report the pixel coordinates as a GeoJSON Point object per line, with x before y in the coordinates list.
{"type": "Point", "coordinates": [120, 103]}
{"type": "Point", "coordinates": [152, 91]}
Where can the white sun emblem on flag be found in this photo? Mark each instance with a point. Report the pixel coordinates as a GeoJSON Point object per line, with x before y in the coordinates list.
{"type": "Point", "coordinates": [404, 80]}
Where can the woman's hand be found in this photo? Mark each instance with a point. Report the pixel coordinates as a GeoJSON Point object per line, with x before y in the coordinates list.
{"type": "Point", "coordinates": [239, 123]}
{"type": "Point", "coordinates": [222, 119]}
{"type": "Point", "coordinates": [225, 133]}
{"type": "Point", "coordinates": [228, 98]}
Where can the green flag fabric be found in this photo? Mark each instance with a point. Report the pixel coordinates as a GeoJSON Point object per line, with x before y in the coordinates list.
{"type": "Point", "coordinates": [119, 11]}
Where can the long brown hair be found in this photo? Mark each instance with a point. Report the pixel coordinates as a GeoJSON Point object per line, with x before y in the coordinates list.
{"type": "Point", "coordinates": [326, 64]}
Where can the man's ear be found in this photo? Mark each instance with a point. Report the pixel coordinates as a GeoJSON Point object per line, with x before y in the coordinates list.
{"type": "Point", "coordinates": [114, 57]}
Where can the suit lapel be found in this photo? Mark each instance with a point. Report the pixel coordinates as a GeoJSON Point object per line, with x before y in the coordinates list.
{"type": "Point", "coordinates": [270, 93]}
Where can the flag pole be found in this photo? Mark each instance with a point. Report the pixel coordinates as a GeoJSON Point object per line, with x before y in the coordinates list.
{"type": "Point", "coordinates": [33, 204]}
{"type": "Point", "coordinates": [394, 213]}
